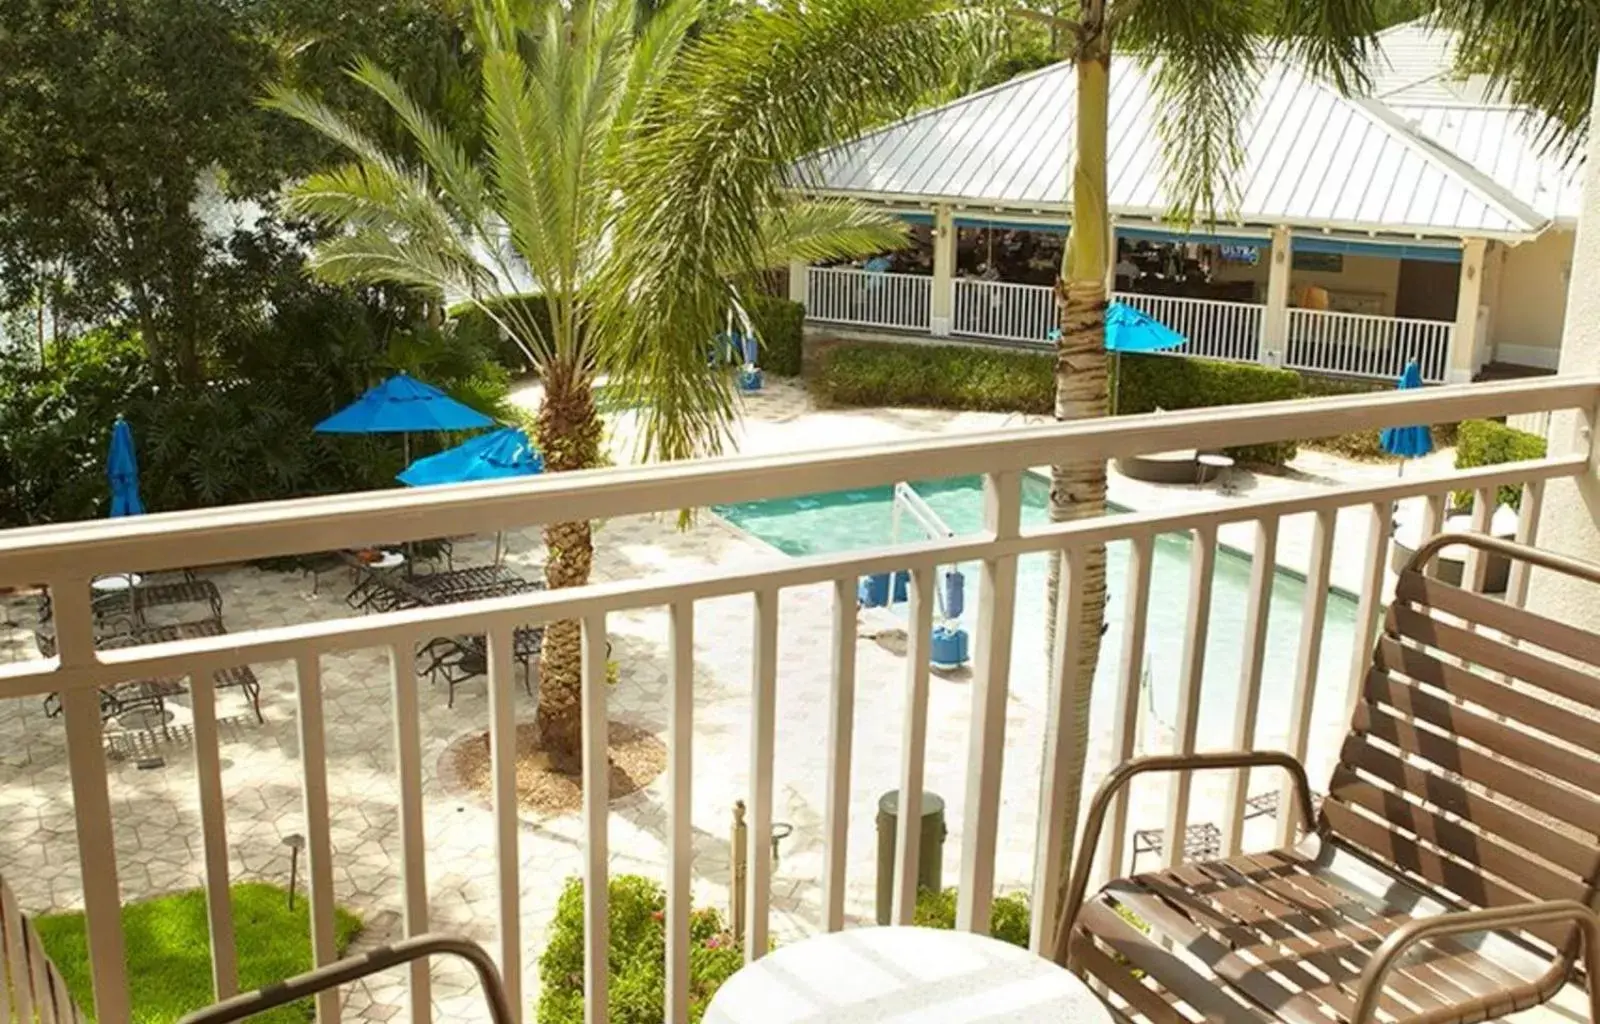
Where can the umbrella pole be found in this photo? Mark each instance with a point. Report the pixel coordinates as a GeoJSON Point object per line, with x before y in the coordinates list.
{"type": "Point", "coordinates": [1116, 387]}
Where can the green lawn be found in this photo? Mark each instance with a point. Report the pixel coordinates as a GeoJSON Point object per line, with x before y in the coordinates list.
{"type": "Point", "coordinates": [169, 952]}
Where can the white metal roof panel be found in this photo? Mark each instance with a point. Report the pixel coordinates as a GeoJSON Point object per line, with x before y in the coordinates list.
{"type": "Point", "coordinates": [1415, 63]}
{"type": "Point", "coordinates": [1312, 158]}
{"type": "Point", "coordinates": [1502, 142]}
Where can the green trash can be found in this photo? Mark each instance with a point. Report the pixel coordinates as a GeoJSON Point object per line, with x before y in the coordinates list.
{"type": "Point", "coordinates": [930, 849]}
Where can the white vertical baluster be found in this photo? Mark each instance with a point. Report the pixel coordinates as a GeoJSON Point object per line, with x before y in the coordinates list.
{"type": "Point", "coordinates": [1058, 752]}
{"type": "Point", "coordinates": [403, 687]}
{"type": "Point", "coordinates": [680, 779]}
{"type": "Point", "coordinates": [1527, 533]}
{"type": "Point", "coordinates": [1476, 567]}
{"type": "Point", "coordinates": [319, 843]}
{"type": "Point", "coordinates": [1380, 525]}
{"type": "Point", "coordinates": [841, 721]}
{"type": "Point", "coordinates": [503, 797]}
{"type": "Point", "coordinates": [1263, 573]}
{"type": "Point", "coordinates": [914, 745]}
{"type": "Point", "coordinates": [1130, 681]}
{"type": "Point", "coordinates": [596, 822]}
{"type": "Point", "coordinates": [997, 594]}
{"type": "Point", "coordinates": [763, 726]}
{"type": "Point", "coordinates": [1312, 616]}
{"type": "Point", "coordinates": [1202, 564]}
{"type": "Point", "coordinates": [91, 804]}
{"type": "Point", "coordinates": [214, 837]}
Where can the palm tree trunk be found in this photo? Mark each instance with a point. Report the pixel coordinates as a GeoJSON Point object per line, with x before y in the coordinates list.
{"type": "Point", "coordinates": [569, 430]}
{"type": "Point", "coordinates": [1078, 488]}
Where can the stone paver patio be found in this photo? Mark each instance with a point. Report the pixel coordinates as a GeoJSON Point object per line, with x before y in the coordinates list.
{"type": "Point", "coordinates": [157, 820]}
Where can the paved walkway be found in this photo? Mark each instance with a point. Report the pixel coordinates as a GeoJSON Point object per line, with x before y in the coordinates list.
{"type": "Point", "coordinates": [158, 846]}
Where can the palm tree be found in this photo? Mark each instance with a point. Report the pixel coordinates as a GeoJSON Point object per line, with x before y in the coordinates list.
{"type": "Point", "coordinates": [632, 164]}
{"type": "Point", "coordinates": [1207, 57]}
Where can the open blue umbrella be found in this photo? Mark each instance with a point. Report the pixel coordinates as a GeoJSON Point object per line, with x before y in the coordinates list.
{"type": "Point", "coordinates": [403, 405]}
{"type": "Point", "coordinates": [1408, 442]}
{"type": "Point", "coordinates": [498, 455]}
{"type": "Point", "coordinates": [122, 467]}
{"type": "Point", "coordinates": [1133, 330]}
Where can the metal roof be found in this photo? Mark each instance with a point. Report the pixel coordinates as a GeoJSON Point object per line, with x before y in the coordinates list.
{"type": "Point", "coordinates": [1503, 143]}
{"type": "Point", "coordinates": [1313, 159]}
{"type": "Point", "coordinates": [1415, 63]}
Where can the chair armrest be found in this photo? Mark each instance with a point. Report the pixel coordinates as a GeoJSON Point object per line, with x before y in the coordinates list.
{"type": "Point", "coordinates": [1125, 773]}
{"type": "Point", "coordinates": [1489, 920]}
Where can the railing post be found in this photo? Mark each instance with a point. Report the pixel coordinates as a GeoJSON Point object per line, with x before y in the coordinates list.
{"type": "Point", "coordinates": [1464, 338]}
{"type": "Point", "coordinates": [1275, 319]}
{"type": "Point", "coordinates": [944, 272]}
{"type": "Point", "coordinates": [799, 274]}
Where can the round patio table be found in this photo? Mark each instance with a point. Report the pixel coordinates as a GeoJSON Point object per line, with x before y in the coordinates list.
{"type": "Point", "coordinates": [904, 974]}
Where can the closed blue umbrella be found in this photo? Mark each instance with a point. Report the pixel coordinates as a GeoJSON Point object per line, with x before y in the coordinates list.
{"type": "Point", "coordinates": [499, 455]}
{"type": "Point", "coordinates": [122, 467]}
{"type": "Point", "coordinates": [1408, 442]}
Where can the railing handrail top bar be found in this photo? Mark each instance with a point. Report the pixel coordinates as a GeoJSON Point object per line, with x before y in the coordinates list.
{"type": "Point", "coordinates": [236, 533]}
{"type": "Point", "coordinates": [1441, 324]}
{"type": "Point", "coordinates": [202, 655]}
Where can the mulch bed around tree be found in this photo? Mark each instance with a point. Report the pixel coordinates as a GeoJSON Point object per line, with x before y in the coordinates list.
{"type": "Point", "coordinates": [636, 757]}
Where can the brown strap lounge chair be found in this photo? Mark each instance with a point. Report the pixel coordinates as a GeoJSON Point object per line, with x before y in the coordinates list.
{"type": "Point", "coordinates": [1451, 873]}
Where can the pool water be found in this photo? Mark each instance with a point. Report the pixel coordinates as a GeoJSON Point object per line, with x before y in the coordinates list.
{"type": "Point", "coordinates": [850, 520]}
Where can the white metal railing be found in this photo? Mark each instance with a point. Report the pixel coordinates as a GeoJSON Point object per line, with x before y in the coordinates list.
{"type": "Point", "coordinates": [1002, 310]}
{"type": "Point", "coordinates": [1215, 329]}
{"type": "Point", "coordinates": [66, 557]}
{"type": "Point", "coordinates": [845, 295]}
{"type": "Point", "coordinates": [1360, 345]}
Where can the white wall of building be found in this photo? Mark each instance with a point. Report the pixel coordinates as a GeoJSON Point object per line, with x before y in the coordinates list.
{"type": "Point", "coordinates": [1530, 301]}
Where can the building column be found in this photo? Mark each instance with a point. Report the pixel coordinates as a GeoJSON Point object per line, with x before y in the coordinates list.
{"type": "Point", "coordinates": [797, 280]}
{"type": "Point", "coordinates": [1465, 343]}
{"type": "Point", "coordinates": [1275, 318]}
{"type": "Point", "coordinates": [1570, 518]}
{"type": "Point", "coordinates": [944, 271]}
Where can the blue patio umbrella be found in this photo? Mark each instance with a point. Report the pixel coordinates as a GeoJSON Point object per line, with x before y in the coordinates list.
{"type": "Point", "coordinates": [1133, 330]}
{"type": "Point", "coordinates": [122, 467]}
{"type": "Point", "coordinates": [403, 405]}
{"type": "Point", "coordinates": [498, 455]}
{"type": "Point", "coordinates": [1408, 442]}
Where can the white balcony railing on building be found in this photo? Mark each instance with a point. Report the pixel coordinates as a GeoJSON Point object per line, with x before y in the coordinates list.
{"type": "Point", "coordinates": [1215, 329]}
{"type": "Point", "coordinates": [845, 295]}
{"type": "Point", "coordinates": [66, 557]}
{"type": "Point", "coordinates": [1002, 310]}
{"type": "Point", "coordinates": [1359, 345]}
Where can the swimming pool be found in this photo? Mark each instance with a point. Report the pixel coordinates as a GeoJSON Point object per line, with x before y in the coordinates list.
{"type": "Point", "coordinates": [850, 520]}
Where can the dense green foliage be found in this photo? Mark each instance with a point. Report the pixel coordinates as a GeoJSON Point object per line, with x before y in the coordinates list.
{"type": "Point", "coordinates": [246, 437]}
{"type": "Point", "coordinates": [780, 324]}
{"type": "Point", "coordinates": [636, 966]}
{"type": "Point", "coordinates": [995, 380]}
{"type": "Point", "coordinates": [1489, 443]}
{"type": "Point", "coordinates": [169, 950]}
{"type": "Point", "coordinates": [1009, 916]}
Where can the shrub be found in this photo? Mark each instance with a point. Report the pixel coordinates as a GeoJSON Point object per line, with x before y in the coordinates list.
{"type": "Point", "coordinates": [1166, 382]}
{"type": "Point", "coordinates": [636, 966]}
{"type": "Point", "coordinates": [1489, 443]}
{"type": "Point", "coordinates": [1009, 917]}
{"type": "Point", "coordinates": [780, 324]}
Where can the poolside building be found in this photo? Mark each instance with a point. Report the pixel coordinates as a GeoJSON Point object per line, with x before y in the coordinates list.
{"type": "Point", "coordinates": [1422, 222]}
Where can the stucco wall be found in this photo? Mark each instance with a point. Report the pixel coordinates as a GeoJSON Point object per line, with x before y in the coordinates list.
{"type": "Point", "coordinates": [1362, 275]}
{"type": "Point", "coordinates": [1530, 303]}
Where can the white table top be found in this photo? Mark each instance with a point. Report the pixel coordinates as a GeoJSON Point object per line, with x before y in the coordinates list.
{"type": "Point", "coordinates": [115, 582]}
{"type": "Point", "coordinates": [388, 560]}
{"type": "Point", "coordinates": [903, 975]}
{"type": "Point", "coordinates": [1216, 461]}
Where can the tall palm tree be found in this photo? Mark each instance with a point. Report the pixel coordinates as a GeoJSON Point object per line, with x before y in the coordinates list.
{"type": "Point", "coordinates": [1207, 57]}
{"type": "Point", "coordinates": [632, 172]}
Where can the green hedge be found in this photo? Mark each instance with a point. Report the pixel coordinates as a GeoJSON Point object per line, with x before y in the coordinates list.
{"type": "Point", "coordinates": [995, 380]}
{"type": "Point", "coordinates": [779, 324]}
{"type": "Point", "coordinates": [1488, 443]}
{"type": "Point", "coordinates": [1008, 914]}
{"type": "Point", "coordinates": [636, 965]}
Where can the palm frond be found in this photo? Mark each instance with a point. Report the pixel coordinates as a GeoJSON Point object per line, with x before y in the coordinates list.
{"type": "Point", "coordinates": [1206, 67]}
{"type": "Point", "coordinates": [1334, 39]}
{"type": "Point", "coordinates": [1538, 53]}
{"type": "Point", "coordinates": [825, 229]}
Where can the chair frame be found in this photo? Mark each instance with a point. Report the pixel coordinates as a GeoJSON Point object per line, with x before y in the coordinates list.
{"type": "Point", "coordinates": [1455, 922]}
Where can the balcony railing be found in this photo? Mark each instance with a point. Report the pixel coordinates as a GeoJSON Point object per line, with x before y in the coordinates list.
{"type": "Point", "coordinates": [66, 557]}
{"type": "Point", "coordinates": [844, 295]}
{"type": "Point", "coordinates": [1358, 345]}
